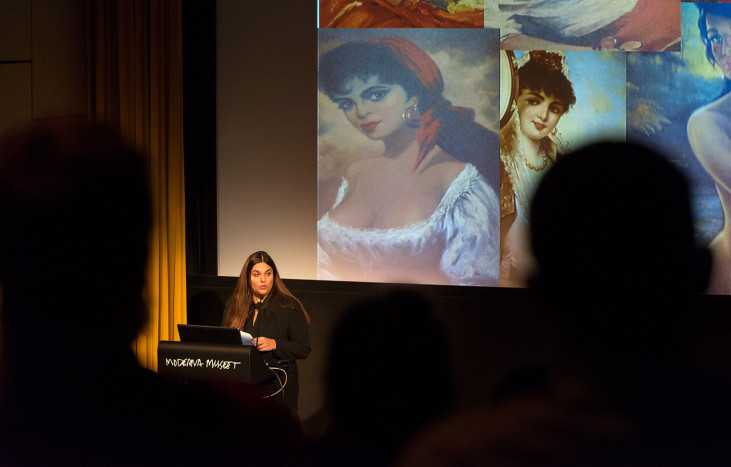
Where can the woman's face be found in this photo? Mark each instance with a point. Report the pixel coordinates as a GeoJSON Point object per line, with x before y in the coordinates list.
{"type": "Point", "coordinates": [719, 36]}
{"type": "Point", "coordinates": [374, 108]}
{"type": "Point", "coordinates": [262, 279]}
{"type": "Point", "coordinates": [538, 113]}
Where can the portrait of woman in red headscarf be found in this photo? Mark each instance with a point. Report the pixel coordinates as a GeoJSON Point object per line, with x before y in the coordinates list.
{"type": "Point", "coordinates": [421, 206]}
{"type": "Point", "coordinates": [401, 14]}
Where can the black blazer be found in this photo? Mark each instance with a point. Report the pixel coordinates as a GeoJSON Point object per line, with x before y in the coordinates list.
{"type": "Point", "coordinates": [283, 320]}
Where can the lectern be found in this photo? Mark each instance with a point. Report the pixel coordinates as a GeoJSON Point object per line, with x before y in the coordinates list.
{"type": "Point", "coordinates": [195, 361]}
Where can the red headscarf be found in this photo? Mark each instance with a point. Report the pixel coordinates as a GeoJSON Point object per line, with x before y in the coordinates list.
{"type": "Point", "coordinates": [428, 74]}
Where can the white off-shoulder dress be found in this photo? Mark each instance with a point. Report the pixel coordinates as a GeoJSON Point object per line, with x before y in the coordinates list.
{"type": "Point", "coordinates": [457, 245]}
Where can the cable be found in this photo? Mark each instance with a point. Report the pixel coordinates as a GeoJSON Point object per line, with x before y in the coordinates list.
{"type": "Point", "coordinates": [257, 307]}
{"type": "Point", "coordinates": [281, 386]}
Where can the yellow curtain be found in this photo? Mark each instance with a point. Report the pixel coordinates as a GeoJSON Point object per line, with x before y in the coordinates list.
{"type": "Point", "coordinates": [136, 85]}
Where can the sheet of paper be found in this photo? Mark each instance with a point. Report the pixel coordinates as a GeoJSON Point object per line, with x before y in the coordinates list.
{"type": "Point", "coordinates": [247, 338]}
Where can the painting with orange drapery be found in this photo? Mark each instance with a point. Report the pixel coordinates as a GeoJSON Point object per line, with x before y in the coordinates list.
{"type": "Point", "coordinates": [401, 14]}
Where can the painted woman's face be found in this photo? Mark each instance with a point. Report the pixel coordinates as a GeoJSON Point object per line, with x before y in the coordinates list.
{"type": "Point", "coordinates": [374, 108]}
{"type": "Point", "coordinates": [262, 279]}
{"type": "Point", "coordinates": [538, 113]}
{"type": "Point", "coordinates": [719, 35]}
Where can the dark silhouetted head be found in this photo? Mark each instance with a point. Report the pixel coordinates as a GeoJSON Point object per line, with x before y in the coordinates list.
{"type": "Point", "coordinates": [389, 372]}
{"type": "Point", "coordinates": [615, 217]}
{"type": "Point", "coordinates": [75, 210]}
{"type": "Point", "coordinates": [612, 233]}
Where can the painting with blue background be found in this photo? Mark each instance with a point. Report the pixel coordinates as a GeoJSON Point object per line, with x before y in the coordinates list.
{"type": "Point", "coordinates": [663, 90]}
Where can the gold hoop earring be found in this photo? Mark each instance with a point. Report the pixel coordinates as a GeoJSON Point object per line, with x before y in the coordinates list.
{"type": "Point", "coordinates": [409, 117]}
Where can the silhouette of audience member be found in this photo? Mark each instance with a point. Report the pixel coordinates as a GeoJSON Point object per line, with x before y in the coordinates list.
{"type": "Point", "coordinates": [618, 267]}
{"type": "Point", "coordinates": [75, 214]}
{"type": "Point", "coordinates": [389, 376]}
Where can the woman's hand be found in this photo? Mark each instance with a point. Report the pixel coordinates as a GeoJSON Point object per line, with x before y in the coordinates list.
{"type": "Point", "coordinates": [264, 344]}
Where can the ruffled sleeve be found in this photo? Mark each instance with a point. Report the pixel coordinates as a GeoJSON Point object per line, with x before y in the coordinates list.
{"type": "Point", "coordinates": [324, 263]}
{"type": "Point", "coordinates": [471, 254]}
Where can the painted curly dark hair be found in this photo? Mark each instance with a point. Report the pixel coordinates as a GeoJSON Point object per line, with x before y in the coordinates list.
{"type": "Point", "coordinates": [543, 73]}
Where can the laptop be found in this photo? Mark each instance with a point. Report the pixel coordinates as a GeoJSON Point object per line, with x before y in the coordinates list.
{"type": "Point", "coordinates": [209, 334]}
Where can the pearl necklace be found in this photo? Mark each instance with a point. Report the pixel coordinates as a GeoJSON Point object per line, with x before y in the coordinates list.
{"type": "Point", "coordinates": [544, 157]}
{"type": "Point", "coordinates": [542, 153]}
{"type": "Point", "coordinates": [523, 176]}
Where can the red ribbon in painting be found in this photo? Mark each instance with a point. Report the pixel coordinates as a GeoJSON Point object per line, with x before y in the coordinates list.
{"type": "Point", "coordinates": [428, 74]}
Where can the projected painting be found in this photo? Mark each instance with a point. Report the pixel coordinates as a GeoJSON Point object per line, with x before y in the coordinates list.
{"type": "Point", "coordinates": [621, 25]}
{"type": "Point", "coordinates": [691, 126]}
{"type": "Point", "coordinates": [408, 156]}
{"type": "Point", "coordinates": [401, 14]}
{"type": "Point", "coordinates": [561, 100]}
{"type": "Point", "coordinates": [570, 72]}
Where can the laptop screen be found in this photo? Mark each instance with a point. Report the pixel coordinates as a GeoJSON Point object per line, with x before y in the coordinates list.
{"type": "Point", "coordinates": [209, 334]}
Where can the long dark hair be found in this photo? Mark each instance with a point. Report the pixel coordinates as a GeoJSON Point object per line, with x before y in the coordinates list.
{"type": "Point", "coordinates": [241, 304]}
{"type": "Point", "coordinates": [723, 10]}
